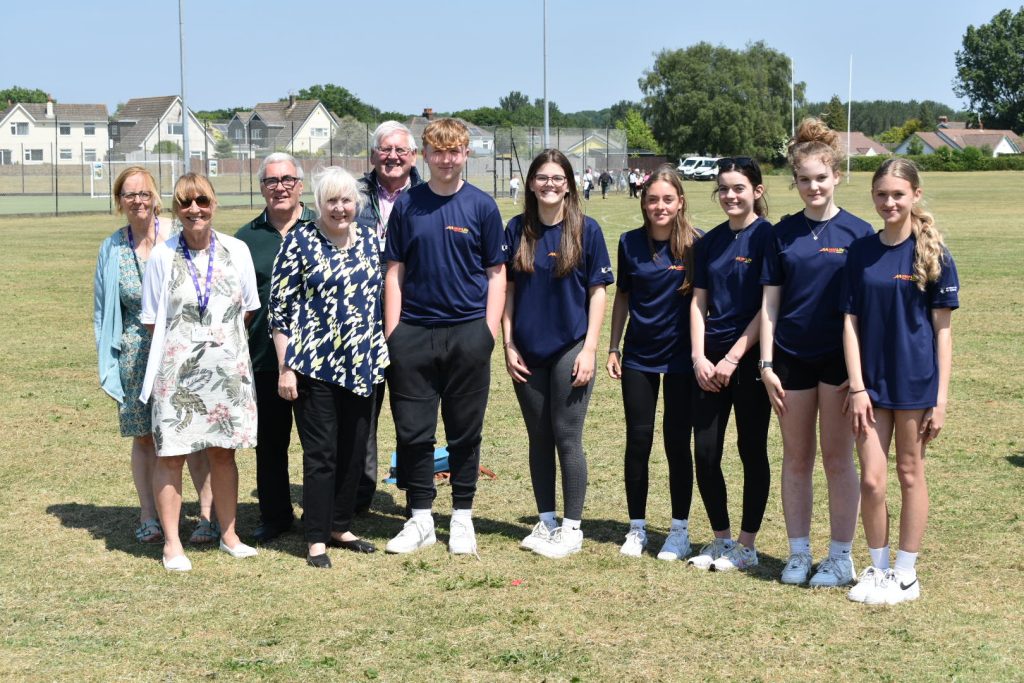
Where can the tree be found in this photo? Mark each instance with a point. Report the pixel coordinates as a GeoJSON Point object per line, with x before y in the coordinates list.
{"type": "Point", "coordinates": [639, 136]}
{"type": "Point", "coordinates": [514, 101]}
{"type": "Point", "coordinates": [18, 94]}
{"type": "Point", "coordinates": [339, 101]}
{"type": "Point", "coordinates": [834, 114]}
{"type": "Point", "coordinates": [706, 98]}
{"type": "Point", "coordinates": [349, 137]}
{"type": "Point", "coordinates": [166, 147]}
{"type": "Point", "coordinates": [990, 70]}
{"type": "Point", "coordinates": [223, 148]}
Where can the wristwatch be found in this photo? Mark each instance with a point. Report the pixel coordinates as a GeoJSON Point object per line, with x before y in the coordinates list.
{"type": "Point", "coordinates": [763, 365]}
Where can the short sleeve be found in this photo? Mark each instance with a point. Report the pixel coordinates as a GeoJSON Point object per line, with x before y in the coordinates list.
{"type": "Point", "coordinates": [945, 292]}
{"type": "Point", "coordinates": [394, 245]}
{"type": "Point", "coordinates": [247, 277]}
{"type": "Point", "coordinates": [700, 263]}
{"type": "Point", "coordinates": [494, 250]}
{"type": "Point", "coordinates": [599, 265]}
{"type": "Point", "coordinates": [153, 280]}
{"type": "Point", "coordinates": [285, 284]}
{"type": "Point", "coordinates": [513, 233]}
{"type": "Point", "coordinates": [771, 263]}
{"type": "Point", "coordinates": [622, 269]}
{"type": "Point", "coordinates": [853, 272]}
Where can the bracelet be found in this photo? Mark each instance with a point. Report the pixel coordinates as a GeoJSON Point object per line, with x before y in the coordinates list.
{"type": "Point", "coordinates": [617, 352]}
{"type": "Point", "coordinates": [859, 391]}
{"type": "Point", "coordinates": [730, 360]}
{"type": "Point", "coordinates": [507, 344]}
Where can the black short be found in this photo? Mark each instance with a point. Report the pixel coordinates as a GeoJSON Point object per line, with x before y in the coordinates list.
{"type": "Point", "coordinates": [797, 373]}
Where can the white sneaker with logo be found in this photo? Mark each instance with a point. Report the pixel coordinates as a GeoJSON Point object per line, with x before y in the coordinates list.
{"type": "Point", "coordinates": [676, 547]}
{"type": "Point", "coordinates": [893, 589]}
{"type": "Point", "coordinates": [541, 533]}
{"type": "Point", "coordinates": [711, 552]}
{"type": "Point", "coordinates": [413, 536]}
{"type": "Point", "coordinates": [797, 569]}
{"type": "Point", "coordinates": [738, 557]}
{"type": "Point", "coordinates": [834, 571]}
{"type": "Point", "coordinates": [636, 541]}
{"type": "Point", "coordinates": [563, 542]}
{"type": "Point", "coordinates": [866, 583]}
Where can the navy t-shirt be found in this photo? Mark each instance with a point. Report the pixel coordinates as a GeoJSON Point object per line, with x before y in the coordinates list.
{"type": "Point", "coordinates": [658, 333]}
{"type": "Point", "coordinates": [550, 313]}
{"type": "Point", "coordinates": [894, 323]}
{"type": "Point", "coordinates": [447, 244]}
{"type": "Point", "coordinates": [810, 271]}
{"type": "Point", "coordinates": [728, 265]}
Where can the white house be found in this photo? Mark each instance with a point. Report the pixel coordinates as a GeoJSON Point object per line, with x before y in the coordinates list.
{"type": "Point", "coordinates": [143, 123]}
{"type": "Point", "coordinates": [37, 133]}
{"type": "Point", "coordinates": [296, 126]}
{"type": "Point", "coordinates": [956, 138]}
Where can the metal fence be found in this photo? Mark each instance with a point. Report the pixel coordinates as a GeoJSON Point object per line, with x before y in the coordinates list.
{"type": "Point", "coordinates": [497, 154]}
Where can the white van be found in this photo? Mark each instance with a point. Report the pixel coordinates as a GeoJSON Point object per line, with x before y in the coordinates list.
{"type": "Point", "coordinates": [705, 169]}
{"type": "Point", "coordinates": [685, 166]}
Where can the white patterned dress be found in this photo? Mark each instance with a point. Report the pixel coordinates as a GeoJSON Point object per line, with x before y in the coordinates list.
{"type": "Point", "coordinates": [202, 391]}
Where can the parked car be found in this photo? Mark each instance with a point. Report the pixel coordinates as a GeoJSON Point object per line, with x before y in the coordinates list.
{"type": "Point", "coordinates": [705, 169]}
{"type": "Point", "coordinates": [686, 165]}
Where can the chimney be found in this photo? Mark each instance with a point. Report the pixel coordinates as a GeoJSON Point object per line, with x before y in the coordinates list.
{"type": "Point", "coordinates": [49, 107]}
{"type": "Point", "coordinates": [291, 101]}
{"type": "Point", "coordinates": [428, 113]}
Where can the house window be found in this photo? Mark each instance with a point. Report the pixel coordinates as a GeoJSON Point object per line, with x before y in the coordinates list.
{"type": "Point", "coordinates": [5, 157]}
{"type": "Point", "coordinates": [89, 154]}
{"type": "Point", "coordinates": [318, 132]}
{"type": "Point", "coordinates": [33, 155]}
{"type": "Point", "coordinates": [65, 154]}
{"type": "Point", "coordinates": [239, 134]}
{"type": "Point", "coordinates": [257, 133]}
{"type": "Point", "coordinates": [19, 128]}
{"type": "Point", "coordinates": [173, 128]}
{"type": "Point", "coordinates": [90, 128]}
{"type": "Point", "coordinates": [65, 129]}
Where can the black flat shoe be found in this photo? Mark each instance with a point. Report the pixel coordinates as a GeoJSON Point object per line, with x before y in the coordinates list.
{"type": "Point", "coordinates": [357, 545]}
{"type": "Point", "coordinates": [266, 533]}
{"type": "Point", "coordinates": [318, 561]}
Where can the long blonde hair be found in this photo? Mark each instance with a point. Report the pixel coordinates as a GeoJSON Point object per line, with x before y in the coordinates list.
{"type": "Point", "coordinates": [683, 234]}
{"type": "Point", "coordinates": [928, 250]}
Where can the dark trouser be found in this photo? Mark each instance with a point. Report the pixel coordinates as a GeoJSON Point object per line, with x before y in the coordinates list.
{"type": "Point", "coordinates": [333, 426]}
{"type": "Point", "coordinates": [273, 433]}
{"type": "Point", "coordinates": [747, 396]}
{"type": "Point", "coordinates": [554, 412]}
{"type": "Point", "coordinates": [604, 191]}
{"type": "Point", "coordinates": [450, 365]}
{"type": "Point", "coordinates": [368, 478]}
{"type": "Point", "coordinates": [640, 401]}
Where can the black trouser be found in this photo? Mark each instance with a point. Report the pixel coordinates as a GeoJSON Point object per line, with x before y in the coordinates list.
{"type": "Point", "coordinates": [747, 396]}
{"type": "Point", "coordinates": [333, 426]}
{"type": "Point", "coordinates": [273, 434]}
{"type": "Point", "coordinates": [640, 401]}
{"type": "Point", "coordinates": [368, 478]}
{"type": "Point", "coordinates": [450, 365]}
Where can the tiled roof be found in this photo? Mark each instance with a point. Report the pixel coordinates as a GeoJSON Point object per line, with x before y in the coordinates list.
{"type": "Point", "coordinates": [860, 144]}
{"type": "Point", "coordinates": [283, 114]}
{"type": "Point", "coordinates": [95, 113]}
{"type": "Point", "coordinates": [146, 112]}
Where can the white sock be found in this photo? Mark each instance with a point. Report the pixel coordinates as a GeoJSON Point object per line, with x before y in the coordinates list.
{"type": "Point", "coordinates": [423, 515]}
{"type": "Point", "coordinates": [879, 557]}
{"type": "Point", "coordinates": [840, 550]}
{"type": "Point", "coordinates": [800, 546]}
{"type": "Point", "coordinates": [570, 524]}
{"type": "Point", "coordinates": [905, 562]}
{"type": "Point", "coordinates": [549, 519]}
{"type": "Point", "coordinates": [638, 524]}
{"type": "Point", "coordinates": [462, 514]}
{"type": "Point", "coordinates": [680, 525]}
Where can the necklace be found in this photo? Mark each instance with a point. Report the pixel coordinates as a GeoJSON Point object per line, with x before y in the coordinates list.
{"type": "Point", "coordinates": [810, 227]}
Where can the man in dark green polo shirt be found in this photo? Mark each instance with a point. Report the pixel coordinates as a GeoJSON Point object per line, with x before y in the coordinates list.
{"type": "Point", "coordinates": [281, 185]}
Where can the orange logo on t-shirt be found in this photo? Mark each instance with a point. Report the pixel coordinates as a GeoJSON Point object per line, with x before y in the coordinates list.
{"type": "Point", "coordinates": [679, 267]}
{"type": "Point", "coordinates": [906, 278]}
{"type": "Point", "coordinates": [456, 228]}
{"type": "Point", "coordinates": [832, 250]}
{"type": "Point", "coordinates": [553, 254]}
{"type": "Point", "coordinates": [744, 259]}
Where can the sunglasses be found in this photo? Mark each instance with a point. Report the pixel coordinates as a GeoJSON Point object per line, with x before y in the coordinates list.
{"type": "Point", "coordinates": [202, 201]}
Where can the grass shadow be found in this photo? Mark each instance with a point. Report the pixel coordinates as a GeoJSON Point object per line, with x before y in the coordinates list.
{"type": "Point", "coordinates": [1017, 459]}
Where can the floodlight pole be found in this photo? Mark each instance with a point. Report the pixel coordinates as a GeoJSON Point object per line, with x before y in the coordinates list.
{"type": "Point", "coordinates": [187, 161]}
{"type": "Point", "coordinates": [547, 118]}
{"type": "Point", "coordinates": [849, 121]}
{"type": "Point", "coordinates": [792, 99]}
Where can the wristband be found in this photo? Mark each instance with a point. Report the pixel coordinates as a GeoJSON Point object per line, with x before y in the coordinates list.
{"type": "Point", "coordinates": [859, 391]}
{"type": "Point", "coordinates": [615, 351]}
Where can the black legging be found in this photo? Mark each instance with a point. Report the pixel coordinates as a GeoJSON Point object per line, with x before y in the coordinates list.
{"type": "Point", "coordinates": [710, 418]}
{"type": "Point", "coordinates": [640, 400]}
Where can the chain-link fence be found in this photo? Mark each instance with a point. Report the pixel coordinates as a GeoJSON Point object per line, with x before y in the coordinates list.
{"type": "Point", "coordinates": [498, 154]}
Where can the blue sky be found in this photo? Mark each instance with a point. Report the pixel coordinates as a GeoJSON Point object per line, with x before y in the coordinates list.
{"type": "Point", "coordinates": [460, 54]}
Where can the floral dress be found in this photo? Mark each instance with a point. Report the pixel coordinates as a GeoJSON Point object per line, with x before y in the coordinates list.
{"type": "Point", "coordinates": [203, 393]}
{"type": "Point", "coordinates": [134, 415]}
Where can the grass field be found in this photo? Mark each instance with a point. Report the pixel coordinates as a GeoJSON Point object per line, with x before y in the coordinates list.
{"type": "Point", "coordinates": [81, 601]}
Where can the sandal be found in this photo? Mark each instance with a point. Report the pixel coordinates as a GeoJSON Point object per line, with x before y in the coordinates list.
{"type": "Point", "coordinates": [206, 532]}
{"type": "Point", "coordinates": [149, 531]}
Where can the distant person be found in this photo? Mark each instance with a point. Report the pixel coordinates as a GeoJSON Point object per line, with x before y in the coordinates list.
{"type": "Point", "coordinates": [122, 345]}
{"type": "Point", "coordinates": [588, 183]}
{"type": "Point", "coordinates": [394, 171]}
{"type": "Point", "coordinates": [513, 188]}
{"type": "Point", "coordinates": [901, 287]}
{"type": "Point", "coordinates": [280, 178]}
{"type": "Point", "coordinates": [199, 287]}
{"type": "Point", "coordinates": [605, 180]}
{"type": "Point", "coordinates": [655, 285]}
{"type": "Point", "coordinates": [554, 308]}
{"type": "Point", "coordinates": [803, 369]}
{"type": "Point", "coordinates": [331, 364]}
{"type": "Point", "coordinates": [443, 300]}
{"type": "Point", "coordinates": [634, 178]}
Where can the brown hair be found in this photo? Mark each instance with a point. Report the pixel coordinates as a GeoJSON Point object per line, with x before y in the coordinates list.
{"type": "Point", "coordinates": [928, 249]}
{"type": "Point", "coordinates": [683, 234]}
{"type": "Point", "coordinates": [446, 133]}
{"type": "Point", "coordinates": [570, 251]}
{"type": "Point", "coordinates": [815, 139]}
{"type": "Point", "coordinates": [150, 181]}
{"type": "Point", "coordinates": [190, 186]}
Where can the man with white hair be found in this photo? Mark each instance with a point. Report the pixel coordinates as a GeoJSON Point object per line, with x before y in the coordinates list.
{"type": "Point", "coordinates": [394, 171]}
{"type": "Point", "coordinates": [281, 186]}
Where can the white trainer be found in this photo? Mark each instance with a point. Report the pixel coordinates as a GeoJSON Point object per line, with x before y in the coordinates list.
{"type": "Point", "coordinates": [563, 542]}
{"type": "Point", "coordinates": [834, 571]}
{"type": "Point", "coordinates": [738, 557]}
{"type": "Point", "coordinates": [866, 583]}
{"type": "Point", "coordinates": [541, 532]}
{"type": "Point", "coordinates": [797, 569]}
{"type": "Point", "coordinates": [893, 589]}
{"type": "Point", "coordinates": [461, 537]}
{"type": "Point", "coordinates": [636, 541]}
{"type": "Point", "coordinates": [413, 536]}
{"type": "Point", "coordinates": [676, 547]}
{"type": "Point", "coordinates": [711, 552]}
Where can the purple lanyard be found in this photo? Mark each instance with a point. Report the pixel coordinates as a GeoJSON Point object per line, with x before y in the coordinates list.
{"type": "Point", "coordinates": [203, 298]}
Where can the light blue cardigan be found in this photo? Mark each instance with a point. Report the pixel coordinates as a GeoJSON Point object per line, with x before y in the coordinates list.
{"type": "Point", "coordinates": [106, 314]}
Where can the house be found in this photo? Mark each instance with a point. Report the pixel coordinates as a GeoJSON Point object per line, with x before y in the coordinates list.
{"type": "Point", "coordinates": [860, 145]}
{"type": "Point", "coordinates": [953, 135]}
{"type": "Point", "coordinates": [144, 123]}
{"type": "Point", "coordinates": [30, 133]}
{"type": "Point", "coordinates": [296, 126]}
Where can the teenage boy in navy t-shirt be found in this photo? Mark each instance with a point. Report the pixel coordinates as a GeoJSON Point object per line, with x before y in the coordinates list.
{"type": "Point", "coordinates": [444, 292]}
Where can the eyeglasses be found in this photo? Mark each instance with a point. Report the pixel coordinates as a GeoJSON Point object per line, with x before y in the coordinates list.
{"type": "Point", "coordinates": [726, 163]}
{"type": "Point", "coordinates": [400, 152]}
{"type": "Point", "coordinates": [287, 182]}
{"type": "Point", "coordinates": [556, 180]}
{"type": "Point", "coordinates": [202, 201]}
{"type": "Point", "coordinates": [132, 196]}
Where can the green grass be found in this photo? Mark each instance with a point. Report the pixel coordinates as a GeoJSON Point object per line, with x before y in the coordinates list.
{"type": "Point", "coordinates": [80, 600]}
